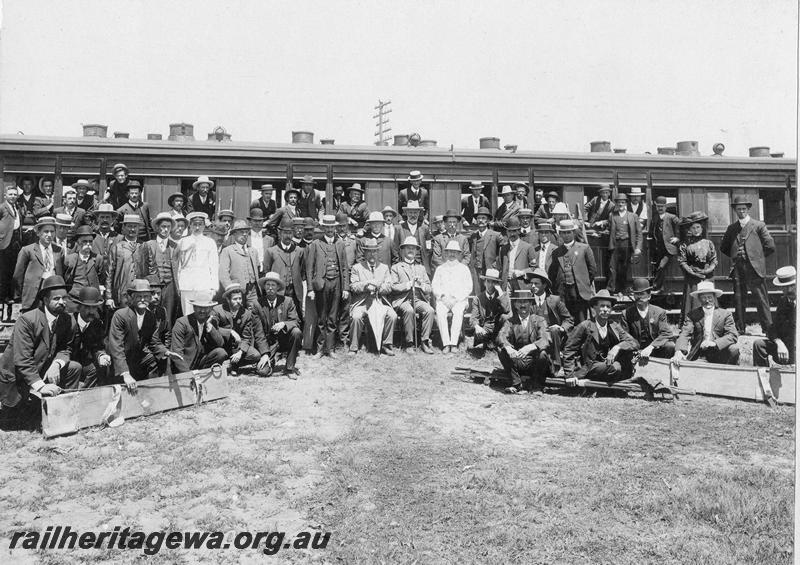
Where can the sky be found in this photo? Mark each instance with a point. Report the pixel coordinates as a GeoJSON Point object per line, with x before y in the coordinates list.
{"type": "Point", "coordinates": [546, 76]}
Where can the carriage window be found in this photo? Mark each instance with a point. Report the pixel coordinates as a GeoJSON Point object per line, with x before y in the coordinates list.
{"type": "Point", "coordinates": [772, 208]}
{"type": "Point", "coordinates": [671, 194]}
{"type": "Point", "coordinates": [719, 209]}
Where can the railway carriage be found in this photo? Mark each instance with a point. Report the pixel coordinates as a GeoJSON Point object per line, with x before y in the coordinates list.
{"type": "Point", "coordinates": [688, 182]}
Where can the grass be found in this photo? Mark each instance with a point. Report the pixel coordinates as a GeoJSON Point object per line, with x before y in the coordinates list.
{"type": "Point", "coordinates": [405, 463]}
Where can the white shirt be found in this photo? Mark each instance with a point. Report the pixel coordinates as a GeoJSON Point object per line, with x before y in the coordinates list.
{"type": "Point", "coordinates": [708, 320]}
{"type": "Point", "coordinates": [16, 217]}
{"type": "Point", "coordinates": [47, 253]}
{"type": "Point", "coordinates": [452, 281]}
{"type": "Point", "coordinates": [543, 255]}
{"type": "Point", "coordinates": [602, 330]}
{"type": "Point", "coordinates": [744, 221]}
{"type": "Point", "coordinates": [413, 229]}
{"type": "Point", "coordinates": [51, 319]}
{"type": "Point", "coordinates": [570, 244]}
{"type": "Point", "coordinates": [139, 320]}
{"type": "Point", "coordinates": [82, 323]}
{"type": "Point", "coordinates": [257, 243]}
{"type": "Point", "coordinates": [162, 243]}
{"type": "Point", "coordinates": [512, 256]}
{"type": "Point", "coordinates": [643, 313]}
{"type": "Point", "coordinates": [198, 263]}
{"type": "Point", "coordinates": [200, 329]}
{"type": "Point", "coordinates": [524, 321]}
{"type": "Point", "coordinates": [539, 298]}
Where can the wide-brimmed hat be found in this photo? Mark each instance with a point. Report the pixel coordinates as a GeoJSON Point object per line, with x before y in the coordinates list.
{"type": "Point", "coordinates": [537, 273]}
{"type": "Point", "coordinates": [388, 209]}
{"type": "Point", "coordinates": [621, 197]}
{"type": "Point", "coordinates": [491, 275]}
{"type": "Point", "coordinates": [475, 184]}
{"type": "Point", "coordinates": [661, 200]}
{"type": "Point", "coordinates": [240, 225]}
{"type": "Point", "coordinates": [256, 214]}
{"type": "Point", "coordinates": [69, 190]}
{"type": "Point", "coordinates": [410, 241]}
{"type": "Point", "coordinates": [414, 175]}
{"type": "Point", "coordinates": [139, 285]}
{"type": "Point", "coordinates": [413, 205]}
{"type": "Point", "coordinates": [81, 183]}
{"type": "Point", "coordinates": [602, 295]}
{"type": "Point", "coordinates": [203, 302]}
{"type": "Point", "coordinates": [88, 296]}
{"type": "Point", "coordinates": [132, 219]}
{"type": "Point", "coordinates": [192, 215]}
{"type": "Point", "coordinates": [566, 225]}
{"type": "Point", "coordinates": [355, 187]}
{"type": "Point", "coordinates": [173, 196]}
{"type": "Point", "coordinates": [785, 276]}
{"type": "Point", "coordinates": [524, 294]}
{"type": "Point", "coordinates": [133, 184]}
{"type": "Point", "coordinates": [105, 208]}
{"type": "Point", "coordinates": [560, 208]}
{"type": "Point", "coordinates": [636, 191]}
{"type": "Point", "coordinates": [521, 185]}
{"type": "Point", "coordinates": [375, 217]}
{"type": "Point", "coordinates": [506, 190]}
{"type": "Point", "coordinates": [369, 244]}
{"type": "Point", "coordinates": [291, 190]}
{"type": "Point", "coordinates": [201, 180]}
{"type": "Point", "coordinates": [641, 284]}
{"type": "Point", "coordinates": [65, 220]}
{"type": "Point", "coordinates": [694, 218]}
{"type": "Point", "coordinates": [226, 213]}
{"type": "Point", "coordinates": [271, 276]}
{"type": "Point", "coordinates": [453, 245]}
{"type": "Point", "coordinates": [604, 188]}
{"type": "Point", "coordinates": [451, 214]}
{"type": "Point", "coordinates": [51, 283]}
{"type": "Point", "coordinates": [483, 211]}
{"type": "Point", "coordinates": [298, 221]}
{"type": "Point", "coordinates": [119, 167]}
{"type": "Point", "coordinates": [84, 231]}
{"type": "Point", "coordinates": [329, 220]}
{"type": "Point", "coordinates": [704, 287]}
{"type": "Point", "coordinates": [552, 194]}
{"type": "Point", "coordinates": [266, 187]}
{"type": "Point", "coordinates": [512, 223]}
{"type": "Point", "coordinates": [741, 200]}
{"type": "Point", "coordinates": [163, 217]}
{"type": "Point", "coordinates": [525, 213]}
{"type": "Point", "coordinates": [233, 287]}
{"type": "Point", "coordinates": [307, 179]}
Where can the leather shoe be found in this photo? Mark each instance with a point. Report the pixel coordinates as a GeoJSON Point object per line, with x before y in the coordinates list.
{"type": "Point", "coordinates": [332, 355]}
{"type": "Point", "coordinates": [387, 350]}
{"type": "Point", "coordinates": [426, 348]}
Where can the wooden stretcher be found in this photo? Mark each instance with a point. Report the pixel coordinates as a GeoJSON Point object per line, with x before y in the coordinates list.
{"type": "Point", "coordinates": [111, 405]}
{"type": "Point", "coordinates": [771, 385]}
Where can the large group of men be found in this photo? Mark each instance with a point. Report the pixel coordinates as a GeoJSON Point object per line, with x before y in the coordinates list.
{"type": "Point", "coordinates": [110, 293]}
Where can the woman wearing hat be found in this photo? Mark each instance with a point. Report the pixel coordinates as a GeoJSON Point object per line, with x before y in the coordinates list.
{"type": "Point", "coordinates": [781, 336]}
{"type": "Point", "coordinates": [196, 263]}
{"type": "Point", "coordinates": [697, 258]}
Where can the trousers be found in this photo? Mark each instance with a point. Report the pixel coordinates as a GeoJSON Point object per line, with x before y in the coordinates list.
{"type": "Point", "coordinates": [327, 305]}
{"type": "Point", "coordinates": [358, 319]}
{"type": "Point", "coordinates": [450, 335]}
{"type": "Point", "coordinates": [746, 279]}
{"type": "Point", "coordinates": [407, 314]}
{"type": "Point", "coordinates": [532, 369]}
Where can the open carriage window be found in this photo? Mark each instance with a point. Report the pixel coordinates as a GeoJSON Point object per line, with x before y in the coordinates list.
{"type": "Point", "coordinates": [772, 208]}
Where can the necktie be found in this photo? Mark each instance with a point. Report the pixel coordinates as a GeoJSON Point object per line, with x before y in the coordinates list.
{"type": "Point", "coordinates": [48, 260]}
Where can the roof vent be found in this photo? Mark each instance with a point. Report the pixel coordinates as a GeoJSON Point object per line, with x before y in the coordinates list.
{"type": "Point", "coordinates": [95, 130]}
{"type": "Point", "coordinates": [600, 146]}
{"type": "Point", "coordinates": [511, 148]}
{"type": "Point", "coordinates": [666, 151]}
{"type": "Point", "coordinates": [776, 155]}
{"type": "Point", "coordinates": [490, 143]}
{"type": "Point", "coordinates": [427, 143]}
{"type": "Point", "coordinates": [718, 149]}
{"type": "Point", "coordinates": [302, 137]}
{"type": "Point", "coordinates": [687, 148]}
{"type": "Point", "coordinates": [401, 139]}
{"type": "Point", "coordinates": [181, 132]}
{"type": "Point", "coordinates": [121, 135]}
{"type": "Point", "coordinates": [759, 151]}
{"type": "Point", "coordinates": [326, 141]}
{"type": "Point", "coordinates": [155, 136]}
{"type": "Point", "coordinates": [620, 150]}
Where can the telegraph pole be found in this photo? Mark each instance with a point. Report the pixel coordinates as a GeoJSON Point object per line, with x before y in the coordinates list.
{"type": "Point", "coordinates": [382, 133]}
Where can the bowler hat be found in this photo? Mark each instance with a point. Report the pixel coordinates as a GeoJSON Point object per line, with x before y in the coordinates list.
{"type": "Point", "coordinates": [51, 283]}
{"type": "Point", "coordinates": [741, 200]}
{"type": "Point", "coordinates": [483, 211]}
{"type": "Point", "coordinates": [139, 285]}
{"type": "Point", "coordinates": [341, 218]}
{"type": "Point", "coordinates": [329, 220]}
{"type": "Point", "coordinates": [602, 295]}
{"type": "Point", "coordinates": [271, 276]}
{"type": "Point", "coordinates": [661, 199]}
{"type": "Point", "coordinates": [621, 197]}
{"type": "Point", "coordinates": [552, 194]}
{"type": "Point", "coordinates": [452, 214]}
{"type": "Point", "coordinates": [88, 296]}
{"type": "Point", "coordinates": [203, 180]}
{"type": "Point", "coordinates": [641, 284]}
{"type": "Point", "coordinates": [785, 276]}
{"type": "Point", "coordinates": [704, 287]}
{"type": "Point", "coordinates": [173, 196]}
{"type": "Point", "coordinates": [84, 231]}
{"type": "Point", "coordinates": [512, 223]}
{"type": "Point", "coordinates": [256, 214]}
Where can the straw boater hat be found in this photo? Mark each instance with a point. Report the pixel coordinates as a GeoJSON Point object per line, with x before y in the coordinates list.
{"type": "Point", "coordinates": [192, 215]}
{"type": "Point", "coordinates": [537, 273]}
{"type": "Point", "coordinates": [355, 188]}
{"type": "Point", "coordinates": [65, 220]}
{"type": "Point", "coordinates": [271, 276]}
{"type": "Point", "coordinates": [414, 175]}
{"type": "Point", "coordinates": [267, 187]}
{"type": "Point", "coordinates": [163, 217]}
{"type": "Point", "coordinates": [173, 196]}
{"type": "Point", "coordinates": [375, 217]}
{"type": "Point", "coordinates": [453, 245]}
{"type": "Point", "coordinates": [139, 285]}
{"type": "Point", "coordinates": [226, 213]}
{"type": "Point", "coordinates": [704, 287]}
{"type": "Point", "coordinates": [45, 221]}
{"type": "Point", "coordinates": [636, 191]}
{"type": "Point", "coordinates": [410, 241]}
{"type": "Point", "coordinates": [203, 302]}
{"type": "Point", "coordinates": [483, 211]}
{"type": "Point", "coordinates": [641, 284]}
{"type": "Point", "coordinates": [201, 180]}
{"type": "Point", "coordinates": [524, 294]}
{"type": "Point", "coordinates": [476, 185]}
{"type": "Point", "coordinates": [492, 275]}
{"type": "Point", "coordinates": [119, 167]}
{"type": "Point", "coordinates": [81, 183]}
{"type": "Point", "coordinates": [506, 190]}
{"type": "Point", "coordinates": [785, 276]}
{"type": "Point", "coordinates": [602, 295]}
{"type": "Point", "coordinates": [566, 225]}
{"type": "Point", "coordinates": [329, 220]}
{"type": "Point", "coordinates": [231, 288]}
{"type": "Point", "coordinates": [413, 205]}
{"type": "Point", "coordinates": [88, 296]}
{"type": "Point", "coordinates": [388, 209]}
{"type": "Point", "coordinates": [560, 208]}
{"type": "Point", "coordinates": [241, 225]}
{"type": "Point", "coordinates": [694, 218]}
{"type": "Point", "coordinates": [545, 227]}
{"type": "Point", "coordinates": [51, 283]}
{"type": "Point", "coordinates": [370, 245]}
{"type": "Point", "coordinates": [741, 200]}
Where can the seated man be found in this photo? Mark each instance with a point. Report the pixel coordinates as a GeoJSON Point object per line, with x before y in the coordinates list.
{"type": "Point", "coordinates": [163, 321]}
{"type": "Point", "coordinates": [524, 343]}
{"type": "Point", "coordinates": [88, 344]}
{"type": "Point", "coordinates": [708, 331]}
{"type": "Point", "coordinates": [276, 328]}
{"type": "Point", "coordinates": [133, 343]}
{"type": "Point", "coordinates": [648, 324]}
{"type": "Point", "coordinates": [197, 339]}
{"type": "Point", "coordinates": [490, 310]}
{"type": "Point", "coordinates": [553, 310]}
{"type": "Point", "coordinates": [605, 349]}
{"type": "Point", "coordinates": [236, 325]}
{"type": "Point", "coordinates": [38, 356]}
{"type": "Point", "coordinates": [370, 286]}
{"type": "Point", "coordinates": [411, 290]}
{"type": "Point", "coordinates": [780, 336]}
{"type": "Point", "coordinates": [451, 287]}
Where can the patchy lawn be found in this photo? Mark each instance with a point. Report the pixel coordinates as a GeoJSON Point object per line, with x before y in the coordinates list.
{"type": "Point", "coordinates": [404, 463]}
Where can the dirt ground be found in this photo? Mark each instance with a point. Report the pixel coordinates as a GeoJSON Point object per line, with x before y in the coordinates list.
{"type": "Point", "coordinates": [405, 463]}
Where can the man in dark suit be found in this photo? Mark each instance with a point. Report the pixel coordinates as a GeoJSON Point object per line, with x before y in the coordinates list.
{"type": "Point", "coordinates": [83, 267]}
{"type": "Point", "coordinates": [452, 220]}
{"type": "Point", "coordinates": [310, 202]}
{"type": "Point", "coordinates": [105, 234]}
{"type": "Point", "coordinates": [240, 263]}
{"type": "Point", "coordinates": [545, 212]}
{"type": "Point", "coordinates": [708, 331]}
{"type": "Point", "coordinates": [524, 343]}
{"type": "Point", "coordinates": [203, 199]}
{"type": "Point", "coordinates": [158, 256]}
{"type": "Point", "coordinates": [83, 199]}
{"type": "Point", "coordinates": [411, 227]}
{"type": "Point", "coordinates": [624, 244]}
{"type": "Point", "coordinates": [235, 322]}
{"type": "Point", "coordinates": [38, 356]}
{"type": "Point", "coordinates": [287, 260]}
{"type": "Point", "coordinates": [747, 242]}
{"type": "Point", "coordinates": [415, 193]}
{"type": "Point", "coordinates": [288, 210]}
{"type": "Point", "coordinates": [471, 204]}
{"type": "Point", "coordinates": [136, 350]}
{"type": "Point", "coordinates": [572, 271]}
{"type": "Point", "coordinates": [276, 328]}
{"type": "Point", "coordinates": [490, 310]}
{"type": "Point", "coordinates": [77, 216]}
{"type": "Point", "coordinates": [388, 250]}
{"type": "Point", "coordinates": [604, 348]}
{"type": "Point", "coordinates": [509, 209]}
{"type": "Point", "coordinates": [781, 339]}
{"type": "Point", "coordinates": [551, 308]}
{"type": "Point", "coordinates": [527, 231]}
{"type": "Point", "coordinates": [163, 321]}
{"type": "Point", "coordinates": [135, 206]}
{"type": "Point", "coordinates": [484, 245]}
{"type": "Point", "coordinates": [515, 256]}
{"type": "Point", "coordinates": [547, 242]}
{"type": "Point", "coordinates": [26, 204]}
{"type": "Point", "coordinates": [196, 339]}
{"type": "Point", "coordinates": [88, 345]}
{"type": "Point", "coordinates": [648, 324]}
{"type": "Point", "coordinates": [10, 244]}
{"type": "Point", "coordinates": [266, 204]}
{"type": "Point", "coordinates": [663, 237]}
{"type": "Point", "coordinates": [37, 262]}
{"type": "Point", "coordinates": [328, 278]}
{"type": "Point", "coordinates": [355, 207]}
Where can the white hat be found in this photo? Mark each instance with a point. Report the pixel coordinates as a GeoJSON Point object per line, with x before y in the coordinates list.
{"type": "Point", "coordinates": [329, 220]}
{"type": "Point", "coordinates": [636, 191]}
{"type": "Point", "coordinates": [560, 208]}
{"type": "Point", "coordinates": [375, 217]}
{"type": "Point", "coordinates": [507, 190]}
{"type": "Point", "coordinates": [410, 241]}
{"type": "Point", "coordinates": [415, 175]}
{"type": "Point", "coordinates": [704, 287]}
{"type": "Point", "coordinates": [201, 180]}
{"type": "Point", "coordinates": [453, 245]}
{"type": "Point", "coordinates": [785, 276]}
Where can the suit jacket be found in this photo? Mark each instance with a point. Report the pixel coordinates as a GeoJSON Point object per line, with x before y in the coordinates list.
{"type": "Point", "coordinates": [350, 245]}
{"type": "Point", "coordinates": [196, 205]}
{"type": "Point", "coordinates": [156, 262]}
{"type": "Point", "coordinates": [525, 258]}
{"type": "Point", "coordinates": [29, 269]}
{"type": "Point", "coordinates": [402, 273]}
{"type": "Point", "coordinates": [493, 311]}
{"type": "Point", "coordinates": [311, 205]}
{"type": "Point", "coordinates": [268, 208]}
{"type": "Point", "coordinates": [548, 256]}
{"type": "Point", "coordinates": [145, 231]}
{"type": "Point", "coordinates": [163, 325]}
{"type": "Point", "coordinates": [440, 243]}
{"type": "Point", "coordinates": [557, 313]}
{"type": "Point", "coordinates": [584, 268]}
{"type": "Point", "coordinates": [593, 211]}
{"type": "Point", "coordinates": [543, 214]}
{"type": "Point", "coordinates": [315, 265]}
{"type": "Point", "coordinates": [290, 265]}
{"type": "Point", "coordinates": [758, 243]}
{"type": "Point", "coordinates": [361, 274]}
{"type": "Point", "coordinates": [531, 237]}
{"type": "Point", "coordinates": [468, 206]}
{"type": "Point", "coordinates": [101, 245]}
{"type": "Point", "coordinates": [31, 350]}
{"type": "Point", "coordinates": [358, 213]}
{"type": "Point", "coordinates": [388, 252]}
{"type": "Point", "coordinates": [275, 219]}
{"type": "Point", "coordinates": [27, 210]}
{"type": "Point", "coordinates": [123, 264]}
{"type": "Point", "coordinates": [584, 341]}
{"type": "Point", "coordinates": [422, 234]}
{"type": "Point", "coordinates": [186, 342]}
{"type": "Point", "coordinates": [43, 206]}
{"type": "Point", "coordinates": [405, 196]}
{"type": "Point", "coordinates": [485, 249]}
{"type": "Point", "coordinates": [784, 322]}
{"type": "Point", "coordinates": [518, 335]}
{"type": "Point", "coordinates": [660, 331]}
{"type": "Point", "coordinates": [241, 323]}
{"type": "Point", "coordinates": [8, 215]}
{"type": "Point", "coordinates": [264, 317]}
{"type": "Point", "coordinates": [723, 329]}
{"type": "Point", "coordinates": [507, 211]}
{"type": "Point", "coordinates": [634, 229]}
{"type": "Point", "coordinates": [89, 345]}
{"type": "Point", "coordinates": [127, 344]}
{"type": "Point", "coordinates": [88, 204]}
{"type": "Point", "coordinates": [93, 270]}
{"type": "Point", "coordinates": [669, 229]}
{"type": "Point", "coordinates": [237, 266]}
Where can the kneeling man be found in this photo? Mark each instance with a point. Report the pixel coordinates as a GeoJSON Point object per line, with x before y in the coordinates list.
{"type": "Point", "coordinates": [236, 326]}
{"type": "Point", "coordinates": [523, 347]}
{"type": "Point", "coordinates": [781, 335]}
{"type": "Point", "coordinates": [197, 339]}
{"type": "Point", "coordinates": [648, 324]}
{"type": "Point", "coordinates": [708, 331]}
{"type": "Point", "coordinates": [490, 310]}
{"type": "Point", "coordinates": [88, 344]}
{"type": "Point", "coordinates": [370, 285]}
{"type": "Point", "coordinates": [276, 327]}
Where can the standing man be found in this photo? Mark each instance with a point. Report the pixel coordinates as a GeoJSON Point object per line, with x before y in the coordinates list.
{"type": "Point", "coordinates": [485, 246]}
{"type": "Point", "coordinates": [471, 205]}
{"type": "Point", "coordinates": [329, 278]}
{"type": "Point", "coordinates": [311, 202]}
{"type": "Point", "coordinates": [509, 208]}
{"type": "Point", "coordinates": [546, 245]}
{"type": "Point", "coordinates": [27, 206]}
{"type": "Point", "coordinates": [390, 229]}
{"type": "Point", "coordinates": [203, 199]}
{"type": "Point", "coordinates": [638, 206]}
{"type": "Point", "coordinates": [624, 243]}
{"type": "Point", "coordinates": [83, 199]}
{"type": "Point", "coordinates": [411, 290]}
{"type": "Point", "coordinates": [663, 236]}
{"type": "Point", "coordinates": [287, 260]}
{"type": "Point", "coordinates": [411, 227]}
{"type": "Point", "coordinates": [748, 242]}
{"type": "Point", "coordinates": [572, 271]}
{"type": "Point", "coordinates": [71, 209]}
{"type": "Point", "coordinates": [648, 324]}
{"type": "Point", "coordinates": [355, 207]}
{"type": "Point", "coordinates": [276, 328]}
{"type": "Point", "coordinates": [124, 263]}
{"type": "Point", "coordinates": [598, 210]}
{"type": "Point", "coordinates": [370, 284]}
{"type": "Point", "coordinates": [265, 203]}
{"type": "Point", "coordinates": [781, 339]}
{"type": "Point", "coordinates": [288, 210]}
{"type": "Point", "coordinates": [135, 206]}
{"type": "Point", "coordinates": [158, 255]}
{"type": "Point", "coordinates": [343, 230]}
{"type": "Point", "coordinates": [708, 331]}
{"type": "Point", "coordinates": [105, 235]}
{"type": "Point", "coordinates": [196, 339]}
{"type": "Point", "coordinates": [257, 238]}
{"type": "Point", "coordinates": [452, 220]}
{"type": "Point", "coordinates": [388, 253]}
{"type": "Point", "coordinates": [527, 231]}
{"type": "Point", "coordinates": [37, 262]}
{"type": "Point", "coordinates": [415, 193]}
{"type": "Point", "coordinates": [515, 257]}
{"type": "Point", "coordinates": [10, 245]}
{"type": "Point", "coordinates": [196, 264]}
{"type": "Point", "coordinates": [239, 263]}
{"type": "Point", "coordinates": [83, 267]}
{"type": "Point", "coordinates": [451, 287]}
{"type": "Point", "coordinates": [545, 211]}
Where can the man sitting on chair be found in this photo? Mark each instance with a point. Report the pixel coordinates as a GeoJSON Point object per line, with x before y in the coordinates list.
{"type": "Point", "coordinates": [370, 286]}
{"type": "Point", "coordinates": [411, 290]}
{"type": "Point", "coordinates": [708, 331]}
{"type": "Point", "coordinates": [451, 287]}
{"type": "Point", "coordinates": [780, 337]}
{"type": "Point", "coordinates": [490, 310]}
